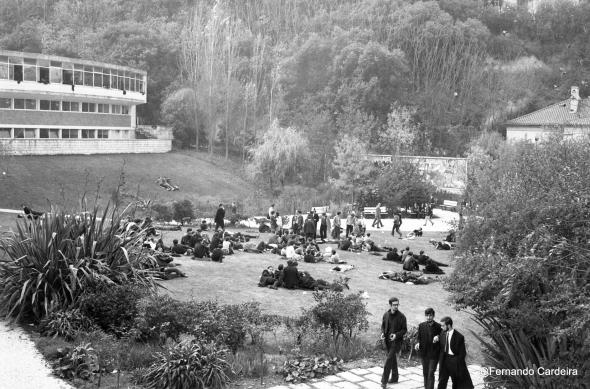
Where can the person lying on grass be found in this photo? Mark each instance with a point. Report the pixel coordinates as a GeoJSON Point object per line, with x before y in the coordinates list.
{"type": "Point", "coordinates": [370, 245]}
{"type": "Point", "coordinates": [161, 266]}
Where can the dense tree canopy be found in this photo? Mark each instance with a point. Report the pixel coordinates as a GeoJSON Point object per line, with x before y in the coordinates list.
{"type": "Point", "coordinates": [329, 68]}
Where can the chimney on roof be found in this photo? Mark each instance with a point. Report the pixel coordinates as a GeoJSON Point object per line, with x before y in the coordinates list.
{"type": "Point", "coordinates": [574, 99]}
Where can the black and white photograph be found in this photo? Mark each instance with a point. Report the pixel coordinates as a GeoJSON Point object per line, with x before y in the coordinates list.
{"type": "Point", "coordinates": [294, 194]}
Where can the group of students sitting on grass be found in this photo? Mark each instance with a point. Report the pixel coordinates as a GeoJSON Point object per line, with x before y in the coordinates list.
{"type": "Point", "coordinates": [412, 262]}
{"type": "Point", "coordinates": [198, 244]}
{"type": "Point", "coordinates": [289, 277]}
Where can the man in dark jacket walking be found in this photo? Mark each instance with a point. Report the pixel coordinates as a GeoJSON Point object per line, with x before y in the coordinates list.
{"type": "Point", "coordinates": [429, 347]}
{"type": "Point", "coordinates": [452, 358]}
{"type": "Point", "coordinates": [393, 329]}
{"type": "Point", "coordinates": [219, 218]}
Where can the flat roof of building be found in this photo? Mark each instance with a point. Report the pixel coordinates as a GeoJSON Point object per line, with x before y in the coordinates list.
{"type": "Point", "coordinates": [80, 61]}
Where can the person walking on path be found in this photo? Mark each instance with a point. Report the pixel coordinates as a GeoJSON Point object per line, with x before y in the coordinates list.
{"type": "Point", "coordinates": [397, 222]}
{"type": "Point", "coordinates": [428, 214]}
{"type": "Point", "coordinates": [393, 329]}
{"type": "Point", "coordinates": [452, 358]}
{"type": "Point", "coordinates": [219, 218]}
{"type": "Point", "coordinates": [377, 217]}
{"type": "Point", "coordinates": [429, 347]}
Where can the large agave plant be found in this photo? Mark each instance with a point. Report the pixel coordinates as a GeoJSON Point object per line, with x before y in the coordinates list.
{"type": "Point", "coordinates": [48, 263]}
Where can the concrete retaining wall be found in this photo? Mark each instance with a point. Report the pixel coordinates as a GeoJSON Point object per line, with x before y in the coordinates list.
{"type": "Point", "coordinates": [83, 146]}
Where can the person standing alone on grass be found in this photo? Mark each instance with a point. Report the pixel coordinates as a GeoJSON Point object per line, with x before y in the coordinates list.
{"type": "Point", "coordinates": [377, 217]}
{"type": "Point", "coordinates": [393, 329]}
{"type": "Point", "coordinates": [429, 347]}
{"type": "Point", "coordinates": [219, 218]}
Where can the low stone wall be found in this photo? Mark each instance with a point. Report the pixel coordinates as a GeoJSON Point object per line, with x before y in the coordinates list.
{"type": "Point", "coordinates": [83, 146]}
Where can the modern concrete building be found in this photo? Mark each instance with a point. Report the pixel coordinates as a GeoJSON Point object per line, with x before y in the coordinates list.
{"type": "Point", "coordinates": [58, 105]}
{"type": "Point", "coordinates": [569, 118]}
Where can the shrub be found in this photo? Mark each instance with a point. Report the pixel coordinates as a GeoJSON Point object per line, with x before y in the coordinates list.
{"type": "Point", "coordinates": [344, 316]}
{"type": "Point", "coordinates": [112, 307]}
{"type": "Point", "coordinates": [50, 263]}
{"type": "Point", "coordinates": [163, 212]}
{"type": "Point", "coordinates": [81, 362]}
{"type": "Point", "coordinates": [524, 265]}
{"type": "Point", "coordinates": [66, 324]}
{"type": "Point", "coordinates": [182, 209]}
{"type": "Point", "coordinates": [162, 317]}
{"type": "Point", "coordinates": [189, 365]}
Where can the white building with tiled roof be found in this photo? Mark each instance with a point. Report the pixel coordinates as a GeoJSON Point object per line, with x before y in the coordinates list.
{"type": "Point", "coordinates": [569, 117]}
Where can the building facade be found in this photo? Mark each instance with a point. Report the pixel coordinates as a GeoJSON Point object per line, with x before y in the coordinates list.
{"type": "Point", "coordinates": [58, 105]}
{"type": "Point", "coordinates": [568, 118]}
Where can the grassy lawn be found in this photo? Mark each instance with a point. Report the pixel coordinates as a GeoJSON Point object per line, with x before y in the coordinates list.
{"type": "Point", "coordinates": [62, 179]}
{"type": "Point", "coordinates": [235, 280]}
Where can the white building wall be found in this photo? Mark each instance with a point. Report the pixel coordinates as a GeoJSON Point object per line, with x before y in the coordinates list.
{"type": "Point", "coordinates": [83, 146]}
{"type": "Point", "coordinates": [516, 134]}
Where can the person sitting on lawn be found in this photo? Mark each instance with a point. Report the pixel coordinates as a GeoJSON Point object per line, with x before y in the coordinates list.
{"type": "Point", "coordinates": [204, 226]}
{"type": "Point", "coordinates": [216, 242]}
{"type": "Point", "coordinates": [200, 250]}
{"type": "Point", "coordinates": [360, 226]}
{"type": "Point", "coordinates": [410, 263]}
{"type": "Point", "coordinates": [227, 247]}
{"type": "Point", "coordinates": [356, 244]}
{"type": "Point", "coordinates": [335, 258]}
{"type": "Point", "coordinates": [312, 253]}
{"type": "Point", "coordinates": [217, 255]}
{"type": "Point", "coordinates": [267, 278]}
{"type": "Point", "coordinates": [345, 244]}
{"type": "Point", "coordinates": [415, 233]}
{"type": "Point", "coordinates": [187, 238]}
{"type": "Point", "coordinates": [405, 253]}
{"type": "Point", "coordinates": [179, 248]}
{"type": "Point", "coordinates": [274, 238]}
{"type": "Point", "coordinates": [290, 276]}
{"type": "Point", "coordinates": [393, 256]}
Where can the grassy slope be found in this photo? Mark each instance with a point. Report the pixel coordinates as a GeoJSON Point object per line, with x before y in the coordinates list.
{"type": "Point", "coordinates": [63, 179]}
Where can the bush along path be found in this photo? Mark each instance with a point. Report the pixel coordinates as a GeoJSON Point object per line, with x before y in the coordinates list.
{"type": "Point", "coordinates": [21, 365]}
{"type": "Point", "coordinates": [409, 378]}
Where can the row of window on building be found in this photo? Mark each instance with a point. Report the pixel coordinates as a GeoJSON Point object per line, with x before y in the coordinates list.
{"type": "Point", "coordinates": [58, 105]}
{"type": "Point", "coordinates": [58, 72]}
{"type": "Point", "coordinates": [62, 133]}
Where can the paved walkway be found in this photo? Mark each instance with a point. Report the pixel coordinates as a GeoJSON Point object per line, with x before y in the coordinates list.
{"type": "Point", "coordinates": [21, 365]}
{"type": "Point", "coordinates": [409, 378]}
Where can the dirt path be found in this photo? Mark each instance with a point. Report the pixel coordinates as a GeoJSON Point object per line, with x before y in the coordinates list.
{"type": "Point", "coordinates": [21, 365]}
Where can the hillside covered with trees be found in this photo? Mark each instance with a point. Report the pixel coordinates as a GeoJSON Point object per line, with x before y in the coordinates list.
{"type": "Point", "coordinates": [388, 76]}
